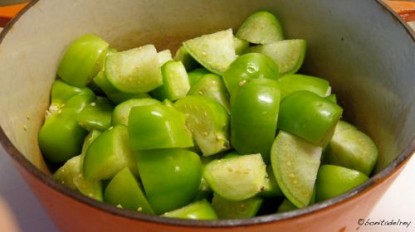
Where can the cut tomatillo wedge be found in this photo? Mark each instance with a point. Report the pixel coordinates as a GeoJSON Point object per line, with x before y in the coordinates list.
{"type": "Point", "coordinates": [175, 82]}
{"type": "Point", "coordinates": [108, 154]}
{"type": "Point", "coordinates": [226, 209]}
{"type": "Point", "coordinates": [70, 175]}
{"type": "Point", "coordinates": [96, 115]}
{"type": "Point", "coordinates": [122, 111]}
{"type": "Point", "coordinates": [82, 60]}
{"type": "Point", "coordinates": [171, 177]}
{"type": "Point", "coordinates": [183, 56]}
{"type": "Point", "coordinates": [212, 86]}
{"type": "Point", "coordinates": [286, 206]}
{"type": "Point", "coordinates": [254, 112]}
{"type": "Point", "coordinates": [113, 94]}
{"type": "Point", "coordinates": [241, 46]}
{"type": "Point", "coordinates": [291, 83]}
{"type": "Point", "coordinates": [157, 126]}
{"type": "Point", "coordinates": [349, 147]}
{"type": "Point", "coordinates": [164, 56]}
{"type": "Point", "coordinates": [197, 74]}
{"type": "Point", "coordinates": [261, 27]}
{"type": "Point", "coordinates": [249, 67]}
{"type": "Point", "coordinates": [66, 173]}
{"type": "Point", "coordinates": [61, 137]}
{"type": "Point", "coordinates": [214, 51]}
{"type": "Point", "coordinates": [333, 180]}
{"type": "Point", "coordinates": [309, 116]}
{"type": "Point", "coordinates": [236, 178]}
{"type": "Point", "coordinates": [92, 135]}
{"type": "Point", "coordinates": [125, 191]}
{"type": "Point", "coordinates": [90, 188]}
{"type": "Point", "coordinates": [61, 92]}
{"type": "Point", "coordinates": [271, 188]}
{"type": "Point", "coordinates": [134, 71]}
{"type": "Point", "coordinates": [208, 121]}
{"type": "Point", "coordinates": [287, 54]}
{"type": "Point", "coordinates": [199, 210]}
{"type": "Point", "coordinates": [295, 163]}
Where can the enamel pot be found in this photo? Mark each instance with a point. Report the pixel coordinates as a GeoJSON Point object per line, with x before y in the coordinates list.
{"type": "Point", "coordinates": [361, 46]}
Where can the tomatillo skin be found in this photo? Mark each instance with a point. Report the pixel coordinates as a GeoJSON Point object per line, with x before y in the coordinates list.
{"type": "Point", "coordinates": [309, 116]}
{"type": "Point", "coordinates": [248, 67]}
{"type": "Point", "coordinates": [212, 86]}
{"type": "Point", "coordinates": [97, 115]}
{"type": "Point", "coordinates": [254, 117]}
{"type": "Point", "coordinates": [62, 91]}
{"type": "Point", "coordinates": [61, 137]}
{"type": "Point", "coordinates": [124, 190]}
{"type": "Point", "coordinates": [170, 177]}
{"type": "Point", "coordinates": [198, 210]}
{"type": "Point", "coordinates": [82, 60]}
{"type": "Point", "coordinates": [108, 154]}
{"type": "Point", "coordinates": [291, 83]}
{"type": "Point", "coordinates": [158, 126]}
{"type": "Point", "coordinates": [333, 180]}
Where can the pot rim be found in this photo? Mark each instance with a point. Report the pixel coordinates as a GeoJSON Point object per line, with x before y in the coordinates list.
{"type": "Point", "coordinates": [46, 179]}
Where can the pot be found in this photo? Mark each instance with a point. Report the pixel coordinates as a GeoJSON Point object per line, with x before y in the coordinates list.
{"type": "Point", "coordinates": [372, 79]}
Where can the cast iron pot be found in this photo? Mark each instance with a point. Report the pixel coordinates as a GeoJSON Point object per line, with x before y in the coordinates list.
{"type": "Point", "coordinates": [360, 46]}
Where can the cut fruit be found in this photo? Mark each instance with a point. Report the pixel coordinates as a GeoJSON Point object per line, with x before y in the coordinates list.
{"type": "Point", "coordinates": [248, 67]}
{"type": "Point", "coordinates": [212, 86]}
{"type": "Point", "coordinates": [287, 54]}
{"type": "Point", "coordinates": [170, 177]}
{"type": "Point", "coordinates": [164, 56]}
{"type": "Point", "coordinates": [291, 83]}
{"type": "Point", "coordinates": [175, 82]}
{"type": "Point", "coordinates": [253, 130]}
{"type": "Point", "coordinates": [134, 71]}
{"type": "Point", "coordinates": [82, 60]}
{"type": "Point", "coordinates": [271, 188]}
{"type": "Point", "coordinates": [208, 121]}
{"type": "Point", "coordinates": [89, 188]}
{"type": "Point", "coordinates": [236, 178]}
{"type": "Point", "coordinates": [295, 163]}
{"type": "Point", "coordinates": [351, 148]}
{"type": "Point", "coordinates": [261, 27]}
{"type": "Point", "coordinates": [66, 173]}
{"type": "Point", "coordinates": [188, 61]}
{"type": "Point", "coordinates": [157, 126]}
{"type": "Point", "coordinates": [108, 154]}
{"type": "Point", "coordinates": [196, 74]}
{"type": "Point", "coordinates": [241, 46]}
{"type": "Point", "coordinates": [122, 111]}
{"type": "Point", "coordinates": [96, 115]}
{"type": "Point", "coordinates": [309, 116]}
{"type": "Point", "coordinates": [199, 210]}
{"type": "Point", "coordinates": [333, 180]}
{"type": "Point", "coordinates": [125, 192]}
{"type": "Point", "coordinates": [226, 209]}
{"type": "Point", "coordinates": [286, 206]}
{"type": "Point", "coordinates": [113, 94]}
{"type": "Point", "coordinates": [214, 51]}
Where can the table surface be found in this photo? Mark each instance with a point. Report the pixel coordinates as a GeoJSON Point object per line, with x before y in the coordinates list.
{"type": "Point", "coordinates": [396, 206]}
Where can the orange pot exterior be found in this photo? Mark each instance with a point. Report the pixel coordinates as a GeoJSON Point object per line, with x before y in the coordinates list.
{"type": "Point", "coordinates": [71, 215]}
{"type": "Point", "coordinates": [405, 9]}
